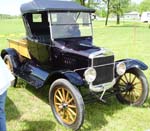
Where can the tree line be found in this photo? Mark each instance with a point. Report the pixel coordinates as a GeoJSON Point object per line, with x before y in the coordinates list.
{"type": "Point", "coordinates": [105, 8]}
{"type": "Point", "coordinates": [5, 16]}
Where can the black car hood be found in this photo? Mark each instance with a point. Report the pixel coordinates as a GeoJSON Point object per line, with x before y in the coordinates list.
{"type": "Point", "coordinates": [78, 47]}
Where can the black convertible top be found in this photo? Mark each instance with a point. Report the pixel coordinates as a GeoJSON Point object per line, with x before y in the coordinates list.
{"type": "Point", "coordinates": [51, 5]}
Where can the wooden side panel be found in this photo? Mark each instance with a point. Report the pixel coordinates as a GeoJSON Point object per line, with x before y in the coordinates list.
{"type": "Point", "coordinates": [20, 46]}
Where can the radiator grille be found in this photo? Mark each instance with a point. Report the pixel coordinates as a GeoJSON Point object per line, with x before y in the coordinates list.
{"type": "Point", "coordinates": [105, 73]}
{"type": "Point", "coordinates": [103, 60]}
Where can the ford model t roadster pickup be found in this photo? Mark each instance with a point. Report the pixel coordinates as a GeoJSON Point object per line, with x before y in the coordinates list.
{"type": "Point", "coordinates": [58, 50]}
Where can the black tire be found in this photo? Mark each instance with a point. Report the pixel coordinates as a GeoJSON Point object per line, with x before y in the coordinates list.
{"type": "Point", "coordinates": [8, 61]}
{"type": "Point", "coordinates": [132, 87]}
{"type": "Point", "coordinates": [70, 92]}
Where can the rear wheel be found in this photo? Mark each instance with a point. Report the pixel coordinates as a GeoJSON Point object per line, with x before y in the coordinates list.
{"type": "Point", "coordinates": [132, 87]}
{"type": "Point", "coordinates": [8, 61]}
{"type": "Point", "coordinates": [67, 104]}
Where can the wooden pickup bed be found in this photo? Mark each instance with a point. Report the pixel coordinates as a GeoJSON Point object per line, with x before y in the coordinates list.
{"type": "Point", "coordinates": [20, 46]}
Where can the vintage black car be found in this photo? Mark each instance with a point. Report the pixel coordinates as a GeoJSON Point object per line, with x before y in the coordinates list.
{"type": "Point", "coordinates": [58, 50]}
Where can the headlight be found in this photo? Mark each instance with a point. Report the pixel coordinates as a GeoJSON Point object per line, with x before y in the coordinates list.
{"type": "Point", "coordinates": [121, 68]}
{"type": "Point", "coordinates": [90, 74]}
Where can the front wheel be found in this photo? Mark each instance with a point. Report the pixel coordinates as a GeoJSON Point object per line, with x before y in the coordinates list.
{"type": "Point", "coordinates": [67, 104]}
{"type": "Point", "coordinates": [132, 87]}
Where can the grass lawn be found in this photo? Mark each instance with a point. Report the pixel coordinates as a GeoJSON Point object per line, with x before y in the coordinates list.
{"type": "Point", "coordinates": [27, 109]}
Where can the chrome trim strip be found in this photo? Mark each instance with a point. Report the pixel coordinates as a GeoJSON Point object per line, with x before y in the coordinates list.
{"type": "Point", "coordinates": [103, 65]}
{"type": "Point", "coordinates": [81, 69]}
{"type": "Point", "coordinates": [50, 25]}
{"type": "Point", "coordinates": [94, 66]}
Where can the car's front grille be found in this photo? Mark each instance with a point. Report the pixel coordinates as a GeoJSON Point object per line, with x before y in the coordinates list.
{"type": "Point", "coordinates": [105, 71]}
{"type": "Point", "coordinates": [103, 60]}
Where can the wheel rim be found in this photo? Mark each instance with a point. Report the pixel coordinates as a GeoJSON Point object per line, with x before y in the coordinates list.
{"type": "Point", "coordinates": [65, 105]}
{"type": "Point", "coordinates": [132, 87]}
{"type": "Point", "coordinates": [9, 65]}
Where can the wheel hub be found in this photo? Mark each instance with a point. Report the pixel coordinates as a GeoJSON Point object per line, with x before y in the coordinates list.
{"type": "Point", "coordinates": [129, 87]}
{"type": "Point", "coordinates": [63, 106]}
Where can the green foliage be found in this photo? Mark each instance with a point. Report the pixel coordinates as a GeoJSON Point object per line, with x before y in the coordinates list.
{"type": "Point", "coordinates": [78, 1]}
{"type": "Point", "coordinates": [102, 12]}
{"type": "Point", "coordinates": [144, 6]}
{"type": "Point", "coordinates": [89, 3]}
{"type": "Point", "coordinates": [132, 7]}
{"type": "Point", "coordinates": [118, 6]}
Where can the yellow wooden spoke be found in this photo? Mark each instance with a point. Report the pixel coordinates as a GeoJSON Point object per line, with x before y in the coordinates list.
{"type": "Point", "coordinates": [74, 113]}
{"type": "Point", "coordinates": [59, 104]}
{"type": "Point", "coordinates": [60, 94]}
{"type": "Point", "coordinates": [72, 106]}
{"type": "Point", "coordinates": [67, 95]}
{"type": "Point", "coordinates": [123, 81]}
{"type": "Point", "coordinates": [126, 78]}
{"type": "Point", "coordinates": [137, 83]}
{"type": "Point", "coordinates": [58, 98]}
{"type": "Point", "coordinates": [70, 100]}
{"type": "Point", "coordinates": [133, 79]}
{"type": "Point", "coordinates": [129, 77]}
{"type": "Point", "coordinates": [70, 115]}
{"type": "Point", "coordinates": [63, 94]}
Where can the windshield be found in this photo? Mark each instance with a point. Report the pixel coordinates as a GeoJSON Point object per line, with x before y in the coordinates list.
{"type": "Point", "coordinates": [71, 24]}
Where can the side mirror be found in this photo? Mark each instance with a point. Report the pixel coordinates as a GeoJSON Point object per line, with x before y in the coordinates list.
{"type": "Point", "coordinates": [93, 17]}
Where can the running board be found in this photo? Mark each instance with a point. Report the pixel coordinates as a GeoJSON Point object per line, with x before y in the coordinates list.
{"type": "Point", "coordinates": [33, 75]}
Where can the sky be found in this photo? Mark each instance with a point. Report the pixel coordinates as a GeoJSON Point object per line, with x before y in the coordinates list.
{"type": "Point", "coordinates": [137, 1]}
{"type": "Point", "coordinates": [12, 7]}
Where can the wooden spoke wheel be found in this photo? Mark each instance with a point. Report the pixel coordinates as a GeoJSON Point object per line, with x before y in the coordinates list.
{"type": "Point", "coordinates": [8, 61]}
{"type": "Point", "coordinates": [132, 87]}
{"type": "Point", "coordinates": [67, 104]}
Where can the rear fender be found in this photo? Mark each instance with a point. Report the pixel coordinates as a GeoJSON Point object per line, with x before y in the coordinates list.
{"type": "Point", "coordinates": [13, 55]}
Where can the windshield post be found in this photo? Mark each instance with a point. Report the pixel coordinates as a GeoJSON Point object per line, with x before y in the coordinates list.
{"type": "Point", "coordinates": [50, 25]}
{"type": "Point", "coordinates": [91, 23]}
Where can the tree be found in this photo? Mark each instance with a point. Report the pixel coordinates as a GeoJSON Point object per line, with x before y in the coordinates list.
{"type": "Point", "coordinates": [107, 2]}
{"type": "Point", "coordinates": [144, 6]}
{"type": "Point", "coordinates": [116, 7]}
{"type": "Point", "coordinates": [89, 3]}
{"type": "Point", "coordinates": [82, 2]}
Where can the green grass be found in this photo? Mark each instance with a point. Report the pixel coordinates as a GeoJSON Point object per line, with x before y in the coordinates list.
{"type": "Point", "coordinates": [27, 109]}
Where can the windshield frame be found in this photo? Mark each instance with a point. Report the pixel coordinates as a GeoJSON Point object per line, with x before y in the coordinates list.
{"type": "Point", "coordinates": [50, 25]}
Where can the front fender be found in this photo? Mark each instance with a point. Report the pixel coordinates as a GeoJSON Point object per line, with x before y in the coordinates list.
{"type": "Point", "coordinates": [74, 78]}
{"type": "Point", "coordinates": [71, 76]}
{"type": "Point", "coordinates": [133, 63]}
